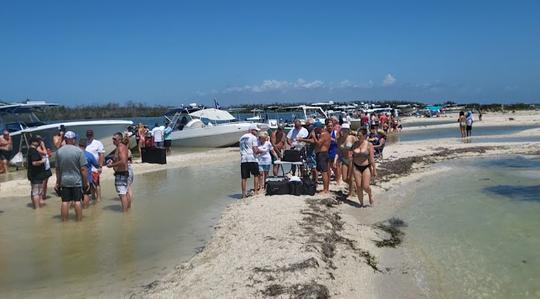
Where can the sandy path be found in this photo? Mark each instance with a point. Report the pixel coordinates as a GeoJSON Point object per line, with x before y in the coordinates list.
{"type": "Point", "coordinates": [289, 246]}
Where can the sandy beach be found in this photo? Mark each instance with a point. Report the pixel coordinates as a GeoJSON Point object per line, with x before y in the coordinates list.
{"type": "Point", "coordinates": [314, 247]}
{"type": "Point", "coordinates": [322, 246]}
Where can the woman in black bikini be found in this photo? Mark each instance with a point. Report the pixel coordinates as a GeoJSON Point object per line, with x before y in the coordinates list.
{"type": "Point", "coordinates": [363, 166]}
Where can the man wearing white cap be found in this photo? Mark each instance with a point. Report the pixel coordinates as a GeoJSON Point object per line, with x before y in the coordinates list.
{"type": "Point", "coordinates": [248, 159]}
{"type": "Point", "coordinates": [71, 176]}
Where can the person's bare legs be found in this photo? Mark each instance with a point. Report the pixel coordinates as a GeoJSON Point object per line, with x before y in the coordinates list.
{"type": "Point", "coordinates": [244, 188]}
{"type": "Point", "coordinates": [326, 181]}
{"type": "Point", "coordinates": [256, 184]}
{"type": "Point", "coordinates": [358, 180]}
{"type": "Point", "coordinates": [45, 181]}
{"type": "Point", "coordinates": [86, 200]}
{"type": "Point", "coordinates": [262, 180]}
{"type": "Point", "coordinates": [125, 202]}
{"type": "Point", "coordinates": [275, 169]}
{"type": "Point", "coordinates": [337, 172]}
{"type": "Point", "coordinates": [36, 201]}
{"type": "Point", "coordinates": [64, 210]}
{"type": "Point", "coordinates": [98, 192]}
{"type": "Point", "coordinates": [130, 193]}
{"type": "Point", "coordinates": [78, 210]}
{"type": "Point", "coordinates": [3, 166]}
{"type": "Point", "coordinates": [366, 181]}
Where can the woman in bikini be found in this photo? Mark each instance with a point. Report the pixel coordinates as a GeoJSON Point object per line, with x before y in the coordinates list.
{"type": "Point", "coordinates": [141, 135]}
{"type": "Point", "coordinates": [363, 165]}
{"type": "Point", "coordinates": [462, 124]}
{"type": "Point", "coordinates": [345, 143]}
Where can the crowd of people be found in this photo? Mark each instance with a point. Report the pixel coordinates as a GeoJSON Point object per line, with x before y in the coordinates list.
{"type": "Point", "coordinates": [159, 136]}
{"type": "Point", "coordinates": [329, 150]}
{"type": "Point", "coordinates": [79, 165]}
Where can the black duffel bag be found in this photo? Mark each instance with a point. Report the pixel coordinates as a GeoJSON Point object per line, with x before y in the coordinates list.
{"type": "Point", "coordinates": [292, 156]}
{"type": "Point", "coordinates": [296, 188]}
{"type": "Point", "coordinates": [277, 185]}
{"type": "Point", "coordinates": [309, 186]}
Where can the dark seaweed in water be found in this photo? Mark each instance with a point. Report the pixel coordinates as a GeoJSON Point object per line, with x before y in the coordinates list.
{"type": "Point", "coordinates": [517, 162]}
{"type": "Point", "coordinates": [524, 193]}
{"type": "Point", "coordinates": [392, 227]}
{"type": "Point", "coordinates": [310, 290]}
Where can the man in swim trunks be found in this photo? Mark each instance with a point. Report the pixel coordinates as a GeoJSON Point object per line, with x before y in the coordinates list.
{"type": "Point", "coordinates": [71, 176]}
{"type": "Point", "coordinates": [121, 172]}
{"type": "Point", "coordinates": [6, 145]}
{"type": "Point", "coordinates": [321, 139]}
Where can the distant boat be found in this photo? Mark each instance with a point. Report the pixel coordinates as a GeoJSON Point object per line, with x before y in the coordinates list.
{"type": "Point", "coordinates": [209, 128]}
{"type": "Point", "coordinates": [21, 121]}
{"type": "Point", "coordinates": [256, 116]}
{"type": "Point", "coordinates": [301, 112]}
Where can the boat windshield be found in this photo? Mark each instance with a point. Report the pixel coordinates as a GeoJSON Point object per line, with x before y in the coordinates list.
{"type": "Point", "coordinates": [15, 119]}
{"type": "Point", "coordinates": [316, 113]}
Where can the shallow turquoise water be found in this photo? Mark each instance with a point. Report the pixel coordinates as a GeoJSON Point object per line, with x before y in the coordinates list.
{"type": "Point", "coordinates": [476, 228]}
{"type": "Point", "coordinates": [109, 253]}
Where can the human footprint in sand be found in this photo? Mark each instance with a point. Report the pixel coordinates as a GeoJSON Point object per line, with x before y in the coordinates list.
{"type": "Point", "coordinates": [363, 166]}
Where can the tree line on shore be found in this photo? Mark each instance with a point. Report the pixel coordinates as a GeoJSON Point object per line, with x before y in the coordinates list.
{"type": "Point", "coordinates": [132, 109]}
{"type": "Point", "coordinates": [110, 110]}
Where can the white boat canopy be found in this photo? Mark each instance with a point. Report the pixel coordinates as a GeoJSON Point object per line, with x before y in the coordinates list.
{"type": "Point", "coordinates": [213, 114]}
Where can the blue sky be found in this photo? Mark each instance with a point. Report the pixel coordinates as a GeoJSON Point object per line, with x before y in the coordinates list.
{"type": "Point", "coordinates": [85, 52]}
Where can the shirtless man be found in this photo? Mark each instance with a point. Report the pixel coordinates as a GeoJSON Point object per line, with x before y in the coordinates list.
{"type": "Point", "coordinates": [321, 139]}
{"type": "Point", "coordinates": [121, 173]}
{"type": "Point", "coordinates": [6, 145]}
{"type": "Point", "coordinates": [278, 140]}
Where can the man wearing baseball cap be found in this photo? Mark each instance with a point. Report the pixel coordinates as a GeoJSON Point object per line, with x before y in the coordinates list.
{"type": "Point", "coordinates": [71, 176]}
{"type": "Point", "coordinates": [248, 159]}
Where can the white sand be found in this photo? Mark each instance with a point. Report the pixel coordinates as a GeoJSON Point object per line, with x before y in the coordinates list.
{"type": "Point", "coordinates": [260, 242]}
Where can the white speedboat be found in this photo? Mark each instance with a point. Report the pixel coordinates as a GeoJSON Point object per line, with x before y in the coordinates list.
{"type": "Point", "coordinates": [205, 127]}
{"type": "Point", "coordinates": [22, 123]}
{"type": "Point", "coordinates": [301, 113]}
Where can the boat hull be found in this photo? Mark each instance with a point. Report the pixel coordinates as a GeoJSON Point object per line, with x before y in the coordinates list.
{"type": "Point", "coordinates": [103, 131]}
{"type": "Point", "coordinates": [210, 137]}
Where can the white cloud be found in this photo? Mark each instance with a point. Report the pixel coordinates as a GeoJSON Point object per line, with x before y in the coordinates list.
{"type": "Point", "coordinates": [389, 80]}
{"type": "Point", "coordinates": [276, 85]}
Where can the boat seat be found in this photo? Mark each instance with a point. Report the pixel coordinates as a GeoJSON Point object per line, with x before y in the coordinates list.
{"type": "Point", "coordinates": [194, 123]}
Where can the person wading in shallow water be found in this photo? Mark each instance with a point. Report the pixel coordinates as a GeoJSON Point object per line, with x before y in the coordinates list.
{"type": "Point", "coordinates": [71, 176]}
{"type": "Point", "coordinates": [36, 172]}
{"type": "Point", "coordinates": [121, 172]}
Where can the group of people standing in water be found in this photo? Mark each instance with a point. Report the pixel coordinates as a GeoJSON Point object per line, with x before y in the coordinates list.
{"type": "Point", "coordinates": [329, 149]}
{"type": "Point", "coordinates": [465, 123]}
{"type": "Point", "coordinates": [79, 163]}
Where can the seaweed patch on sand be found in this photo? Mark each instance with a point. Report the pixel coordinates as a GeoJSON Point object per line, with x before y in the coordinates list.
{"type": "Point", "coordinates": [323, 225]}
{"type": "Point", "coordinates": [390, 169]}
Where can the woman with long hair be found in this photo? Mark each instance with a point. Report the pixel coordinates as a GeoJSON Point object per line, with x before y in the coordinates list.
{"type": "Point", "coordinates": [363, 165]}
{"type": "Point", "coordinates": [345, 144]}
{"type": "Point", "coordinates": [462, 124]}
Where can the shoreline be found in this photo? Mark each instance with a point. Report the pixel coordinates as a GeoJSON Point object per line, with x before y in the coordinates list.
{"type": "Point", "coordinates": [314, 246]}
{"type": "Point", "coordinates": [322, 245]}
